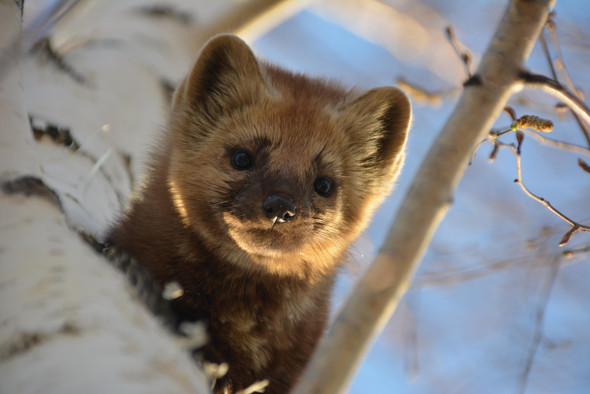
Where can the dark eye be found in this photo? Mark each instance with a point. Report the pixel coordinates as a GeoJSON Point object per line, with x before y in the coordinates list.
{"type": "Point", "coordinates": [241, 160]}
{"type": "Point", "coordinates": [323, 186]}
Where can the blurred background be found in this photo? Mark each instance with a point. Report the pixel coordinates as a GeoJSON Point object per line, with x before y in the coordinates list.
{"type": "Point", "coordinates": [496, 306]}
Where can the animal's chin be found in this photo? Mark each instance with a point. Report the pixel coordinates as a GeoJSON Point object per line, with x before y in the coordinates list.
{"type": "Point", "coordinates": [268, 243]}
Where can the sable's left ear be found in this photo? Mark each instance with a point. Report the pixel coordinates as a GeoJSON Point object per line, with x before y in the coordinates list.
{"type": "Point", "coordinates": [379, 121]}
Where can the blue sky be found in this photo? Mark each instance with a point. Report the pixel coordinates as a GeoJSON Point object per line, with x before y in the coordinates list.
{"type": "Point", "coordinates": [469, 324]}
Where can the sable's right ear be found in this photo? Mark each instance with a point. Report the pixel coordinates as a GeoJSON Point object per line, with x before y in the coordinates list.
{"type": "Point", "coordinates": [378, 123]}
{"type": "Point", "coordinates": [226, 75]}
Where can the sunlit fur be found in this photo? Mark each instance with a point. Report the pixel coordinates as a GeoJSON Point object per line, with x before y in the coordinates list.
{"type": "Point", "coordinates": [263, 287]}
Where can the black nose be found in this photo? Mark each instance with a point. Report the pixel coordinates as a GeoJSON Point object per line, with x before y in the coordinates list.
{"type": "Point", "coordinates": [278, 209]}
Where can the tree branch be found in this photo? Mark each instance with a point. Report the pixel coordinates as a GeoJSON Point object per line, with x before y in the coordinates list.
{"type": "Point", "coordinates": [551, 26]}
{"type": "Point", "coordinates": [558, 144]}
{"type": "Point", "coordinates": [377, 294]}
{"type": "Point", "coordinates": [254, 18]}
{"type": "Point", "coordinates": [536, 123]}
{"type": "Point", "coordinates": [556, 89]}
{"type": "Point", "coordinates": [575, 226]}
{"type": "Point", "coordinates": [538, 331]}
{"type": "Point", "coordinates": [573, 252]}
{"type": "Point", "coordinates": [463, 55]}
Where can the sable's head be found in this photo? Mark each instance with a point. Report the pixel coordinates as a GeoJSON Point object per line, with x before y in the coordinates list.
{"type": "Point", "coordinates": [280, 172]}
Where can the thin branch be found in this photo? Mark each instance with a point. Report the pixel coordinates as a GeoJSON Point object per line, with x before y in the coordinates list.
{"type": "Point", "coordinates": [548, 54]}
{"type": "Point", "coordinates": [452, 277]}
{"type": "Point", "coordinates": [411, 343]}
{"type": "Point", "coordinates": [539, 322]}
{"type": "Point", "coordinates": [574, 226]}
{"type": "Point", "coordinates": [455, 276]}
{"type": "Point", "coordinates": [254, 18]}
{"type": "Point", "coordinates": [520, 125]}
{"type": "Point", "coordinates": [464, 55]}
{"type": "Point", "coordinates": [526, 122]}
{"type": "Point", "coordinates": [546, 203]}
{"type": "Point", "coordinates": [584, 166]}
{"type": "Point", "coordinates": [479, 144]}
{"type": "Point", "coordinates": [379, 21]}
{"type": "Point", "coordinates": [422, 95]}
{"type": "Point", "coordinates": [558, 144]}
{"type": "Point", "coordinates": [554, 88]}
{"type": "Point", "coordinates": [529, 124]}
{"type": "Point", "coordinates": [560, 60]}
{"type": "Point", "coordinates": [545, 126]}
{"type": "Point", "coordinates": [377, 294]}
{"type": "Point", "coordinates": [551, 26]}
{"type": "Point", "coordinates": [573, 252]}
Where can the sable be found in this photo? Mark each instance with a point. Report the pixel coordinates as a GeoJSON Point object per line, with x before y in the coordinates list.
{"type": "Point", "coordinates": [261, 181]}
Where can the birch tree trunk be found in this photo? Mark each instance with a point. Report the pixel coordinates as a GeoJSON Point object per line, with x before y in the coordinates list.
{"type": "Point", "coordinates": [69, 321]}
{"type": "Point", "coordinates": [377, 294]}
{"type": "Point", "coordinates": [95, 91]}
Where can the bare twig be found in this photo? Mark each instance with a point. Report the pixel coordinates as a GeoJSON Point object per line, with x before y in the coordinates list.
{"type": "Point", "coordinates": [560, 60]}
{"type": "Point", "coordinates": [539, 322]}
{"type": "Point", "coordinates": [546, 48]}
{"type": "Point", "coordinates": [253, 18]}
{"type": "Point", "coordinates": [479, 144]}
{"type": "Point", "coordinates": [538, 124]}
{"type": "Point", "coordinates": [573, 252]}
{"type": "Point", "coordinates": [422, 95]}
{"type": "Point", "coordinates": [378, 292]}
{"type": "Point", "coordinates": [583, 165]}
{"type": "Point", "coordinates": [411, 354]}
{"type": "Point", "coordinates": [464, 55]}
{"type": "Point", "coordinates": [551, 26]}
{"type": "Point", "coordinates": [455, 276]}
{"type": "Point", "coordinates": [378, 21]}
{"type": "Point", "coordinates": [558, 144]}
{"type": "Point", "coordinates": [554, 88]}
{"type": "Point", "coordinates": [575, 226]}
{"type": "Point", "coordinates": [519, 125]}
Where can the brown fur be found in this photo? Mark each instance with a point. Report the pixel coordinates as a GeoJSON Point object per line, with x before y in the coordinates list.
{"type": "Point", "coordinates": [261, 285]}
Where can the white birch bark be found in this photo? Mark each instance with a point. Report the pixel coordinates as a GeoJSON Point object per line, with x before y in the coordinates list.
{"type": "Point", "coordinates": [69, 321]}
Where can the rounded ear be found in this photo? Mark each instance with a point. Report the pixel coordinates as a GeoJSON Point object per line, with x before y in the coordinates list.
{"type": "Point", "coordinates": [225, 76]}
{"type": "Point", "coordinates": [378, 123]}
